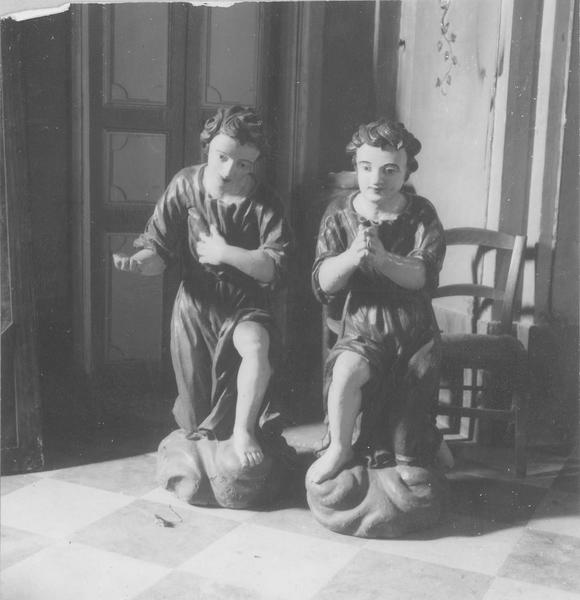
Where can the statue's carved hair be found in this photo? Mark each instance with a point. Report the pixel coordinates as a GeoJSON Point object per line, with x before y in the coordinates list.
{"type": "Point", "coordinates": [239, 122]}
{"type": "Point", "coordinates": [386, 133]}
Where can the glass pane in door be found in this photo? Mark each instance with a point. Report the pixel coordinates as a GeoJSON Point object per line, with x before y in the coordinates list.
{"type": "Point", "coordinates": [134, 167]}
{"type": "Point", "coordinates": [136, 52]}
{"type": "Point", "coordinates": [231, 55]}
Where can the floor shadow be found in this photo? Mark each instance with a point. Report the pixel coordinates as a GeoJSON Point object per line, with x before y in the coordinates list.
{"type": "Point", "coordinates": [73, 442]}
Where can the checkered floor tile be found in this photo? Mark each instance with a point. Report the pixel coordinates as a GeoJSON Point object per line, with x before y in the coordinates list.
{"type": "Point", "coordinates": [92, 532]}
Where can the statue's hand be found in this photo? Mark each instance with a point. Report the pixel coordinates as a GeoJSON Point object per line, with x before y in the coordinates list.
{"type": "Point", "coordinates": [210, 248]}
{"type": "Point", "coordinates": [359, 250]}
{"type": "Point", "coordinates": [124, 262]}
{"type": "Point", "coordinates": [378, 253]}
{"type": "Point", "coordinates": [144, 262]}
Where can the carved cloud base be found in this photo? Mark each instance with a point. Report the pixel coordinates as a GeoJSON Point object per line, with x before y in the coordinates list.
{"type": "Point", "coordinates": [379, 503]}
{"type": "Point", "coordinates": [207, 472]}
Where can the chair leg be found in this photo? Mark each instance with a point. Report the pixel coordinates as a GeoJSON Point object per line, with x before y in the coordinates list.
{"type": "Point", "coordinates": [473, 402]}
{"type": "Point", "coordinates": [456, 397]}
{"type": "Point", "coordinates": [521, 437]}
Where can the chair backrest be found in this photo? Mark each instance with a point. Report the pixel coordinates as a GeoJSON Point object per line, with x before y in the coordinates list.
{"type": "Point", "coordinates": [488, 239]}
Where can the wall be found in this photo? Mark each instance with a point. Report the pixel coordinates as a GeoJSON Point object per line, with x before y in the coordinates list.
{"type": "Point", "coordinates": [454, 120]}
{"type": "Point", "coordinates": [46, 74]}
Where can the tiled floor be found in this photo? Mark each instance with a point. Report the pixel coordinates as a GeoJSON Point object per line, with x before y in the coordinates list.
{"type": "Point", "coordinates": [91, 532]}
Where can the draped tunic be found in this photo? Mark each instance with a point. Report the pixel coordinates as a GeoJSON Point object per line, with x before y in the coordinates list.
{"type": "Point", "coordinates": [213, 299]}
{"type": "Point", "coordinates": [392, 327]}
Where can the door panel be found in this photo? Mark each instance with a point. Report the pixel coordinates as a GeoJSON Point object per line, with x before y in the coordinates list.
{"type": "Point", "coordinates": [231, 55]}
{"type": "Point", "coordinates": [234, 63]}
{"type": "Point", "coordinates": [137, 138]}
{"type": "Point", "coordinates": [134, 168]}
{"type": "Point", "coordinates": [136, 52]}
{"type": "Point", "coordinates": [134, 309]}
{"type": "Point", "coordinates": [228, 61]}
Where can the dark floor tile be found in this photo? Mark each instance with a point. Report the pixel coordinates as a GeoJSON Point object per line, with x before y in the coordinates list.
{"type": "Point", "coordinates": [300, 520]}
{"type": "Point", "coordinates": [372, 576]}
{"type": "Point", "coordinates": [138, 531]}
{"type": "Point", "coordinates": [16, 545]}
{"type": "Point", "coordinates": [545, 559]}
{"type": "Point", "coordinates": [186, 586]}
{"type": "Point", "coordinates": [11, 483]}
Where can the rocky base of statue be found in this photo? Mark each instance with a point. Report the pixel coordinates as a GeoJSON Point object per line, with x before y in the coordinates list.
{"type": "Point", "coordinates": [207, 472]}
{"type": "Point", "coordinates": [379, 503]}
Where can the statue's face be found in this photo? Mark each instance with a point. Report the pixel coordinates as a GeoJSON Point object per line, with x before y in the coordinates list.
{"type": "Point", "coordinates": [229, 164]}
{"type": "Point", "coordinates": [381, 172]}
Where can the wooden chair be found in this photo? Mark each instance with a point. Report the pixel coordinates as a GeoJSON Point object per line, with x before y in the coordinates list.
{"type": "Point", "coordinates": [499, 355]}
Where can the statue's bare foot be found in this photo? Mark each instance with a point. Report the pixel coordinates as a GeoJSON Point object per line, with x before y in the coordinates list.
{"type": "Point", "coordinates": [329, 464]}
{"type": "Point", "coordinates": [247, 448]}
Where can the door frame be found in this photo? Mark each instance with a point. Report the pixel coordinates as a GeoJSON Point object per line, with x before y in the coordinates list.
{"type": "Point", "coordinates": [20, 372]}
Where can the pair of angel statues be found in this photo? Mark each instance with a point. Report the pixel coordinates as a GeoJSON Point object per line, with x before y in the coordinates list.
{"type": "Point", "coordinates": [378, 255]}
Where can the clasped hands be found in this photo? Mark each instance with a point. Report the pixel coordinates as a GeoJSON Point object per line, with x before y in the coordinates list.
{"type": "Point", "coordinates": [367, 248]}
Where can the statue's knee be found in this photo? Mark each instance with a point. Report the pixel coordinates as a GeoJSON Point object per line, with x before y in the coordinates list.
{"type": "Point", "coordinates": [350, 369]}
{"type": "Point", "coordinates": [251, 340]}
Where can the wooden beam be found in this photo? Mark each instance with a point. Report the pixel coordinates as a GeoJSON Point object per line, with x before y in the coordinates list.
{"type": "Point", "coordinates": [556, 43]}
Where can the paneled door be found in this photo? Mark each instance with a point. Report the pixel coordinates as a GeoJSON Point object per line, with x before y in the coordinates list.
{"type": "Point", "coordinates": [146, 77]}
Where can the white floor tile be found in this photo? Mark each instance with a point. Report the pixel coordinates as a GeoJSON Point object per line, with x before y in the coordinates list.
{"type": "Point", "coordinates": [277, 564]}
{"type": "Point", "coordinates": [301, 521]}
{"type": "Point", "coordinates": [57, 508]}
{"type": "Point", "coordinates": [459, 543]}
{"type": "Point", "coordinates": [502, 589]}
{"type": "Point", "coordinates": [76, 572]}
